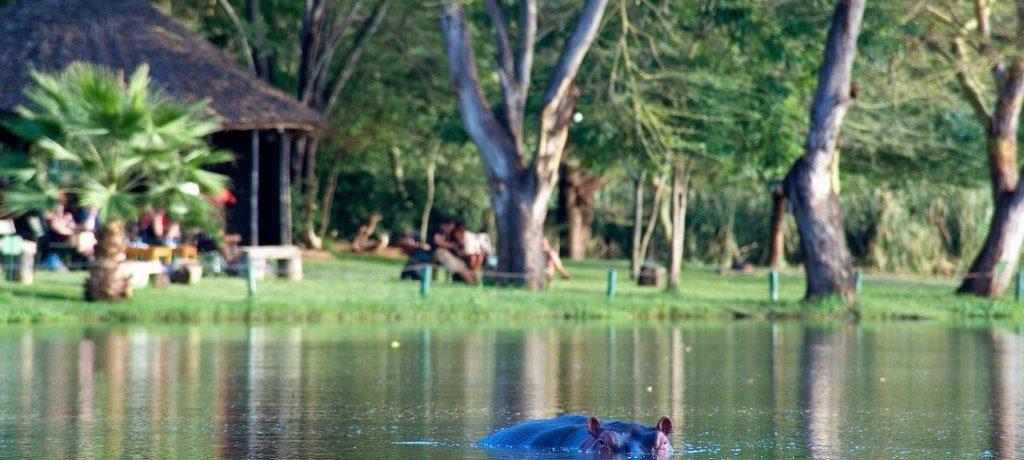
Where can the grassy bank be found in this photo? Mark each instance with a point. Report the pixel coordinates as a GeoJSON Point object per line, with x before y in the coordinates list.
{"type": "Point", "coordinates": [368, 289]}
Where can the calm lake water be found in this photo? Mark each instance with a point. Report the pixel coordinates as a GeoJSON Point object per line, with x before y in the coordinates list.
{"type": "Point", "coordinates": [738, 389]}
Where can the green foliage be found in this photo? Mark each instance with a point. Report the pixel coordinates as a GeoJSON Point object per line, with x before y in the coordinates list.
{"type": "Point", "coordinates": [117, 145]}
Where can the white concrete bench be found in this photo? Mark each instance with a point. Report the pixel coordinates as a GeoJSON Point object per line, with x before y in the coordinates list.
{"type": "Point", "coordinates": [144, 273]}
{"type": "Point", "coordinates": [288, 258]}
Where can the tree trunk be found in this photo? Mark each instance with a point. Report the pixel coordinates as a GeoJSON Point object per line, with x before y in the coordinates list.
{"type": "Point", "coordinates": [992, 270]}
{"type": "Point", "coordinates": [637, 259]}
{"type": "Point", "coordinates": [777, 243]}
{"type": "Point", "coordinates": [327, 203]}
{"type": "Point", "coordinates": [428, 204]}
{"type": "Point", "coordinates": [809, 185]}
{"type": "Point", "coordinates": [109, 279]}
{"type": "Point", "coordinates": [680, 187]}
{"type": "Point", "coordinates": [652, 221]}
{"type": "Point", "coordinates": [577, 191]}
{"type": "Point", "coordinates": [309, 236]}
{"type": "Point", "coordinates": [520, 187]}
{"type": "Point", "coordinates": [520, 231]}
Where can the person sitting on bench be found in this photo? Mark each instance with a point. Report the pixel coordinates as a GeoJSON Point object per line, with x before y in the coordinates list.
{"type": "Point", "coordinates": [157, 229]}
{"type": "Point", "coordinates": [446, 252]}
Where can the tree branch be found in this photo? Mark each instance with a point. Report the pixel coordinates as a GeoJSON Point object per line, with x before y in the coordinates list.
{"type": "Point", "coordinates": [560, 97]}
{"type": "Point", "coordinates": [491, 138]}
{"type": "Point", "coordinates": [575, 49]}
{"type": "Point", "coordinates": [834, 96]}
{"type": "Point", "coordinates": [318, 76]}
{"type": "Point", "coordinates": [967, 86]}
{"type": "Point", "coordinates": [369, 28]}
{"type": "Point", "coordinates": [513, 99]}
{"type": "Point", "coordinates": [243, 36]}
{"type": "Point", "coordinates": [527, 43]}
{"type": "Point", "coordinates": [309, 49]}
{"type": "Point", "coordinates": [260, 52]}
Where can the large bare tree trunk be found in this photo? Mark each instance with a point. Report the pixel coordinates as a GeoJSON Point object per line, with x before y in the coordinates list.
{"type": "Point", "coordinates": [520, 187]}
{"type": "Point", "coordinates": [637, 259]}
{"type": "Point", "coordinates": [577, 191]}
{"type": "Point", "coordinates": [680, 192]}
{"type": "Point", "coordinates": [109, 278]}
{"type": "Point", "coordinates": [777, 239]}
{"type": "Point", "coordinates": [993, 268]}
{"type": "Point", "coordinates": [809, 184]}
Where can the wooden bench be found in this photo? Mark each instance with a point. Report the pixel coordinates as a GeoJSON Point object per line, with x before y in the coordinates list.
{"type": "Point", "coordinates": [288, 258]}
{"type": "Point", "coordinates": [186, 252]}
{"type": "Point", "coordinates": [151, 254]}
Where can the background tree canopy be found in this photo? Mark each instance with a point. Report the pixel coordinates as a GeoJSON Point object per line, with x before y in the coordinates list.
{"type": "Point", "coordinates": [727, 84]}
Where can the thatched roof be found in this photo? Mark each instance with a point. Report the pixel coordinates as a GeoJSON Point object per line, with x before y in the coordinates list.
{"type": "Point", "coordinates": [123, 34]}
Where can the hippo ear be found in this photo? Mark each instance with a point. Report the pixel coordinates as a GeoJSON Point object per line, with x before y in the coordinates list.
{"type": "Point", "coordinates": [665, 425]}
{"type": "Point", "coordinates": [594, 426]}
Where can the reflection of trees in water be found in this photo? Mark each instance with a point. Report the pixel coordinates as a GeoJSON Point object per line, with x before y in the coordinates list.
{"type": "Point", "coordinates": [678, 385]}
{"type": "Point", "coordinates": [478, 383]}
{"type": "Point", "coordinates": [1007, 370]}
{"type": "Point", "coordinates": [539, 386]}
{"type": "Point", "coordinates": [825, 354]}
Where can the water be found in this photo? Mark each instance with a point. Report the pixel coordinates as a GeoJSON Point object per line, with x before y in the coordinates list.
{"type": "Point", "coordinates": [739, 389]}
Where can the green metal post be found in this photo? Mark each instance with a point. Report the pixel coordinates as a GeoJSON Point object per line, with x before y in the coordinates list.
{"type": "Point", "coordinates": [613, 276]}
{"type": "Point", "coordinates": [250, 276]}
{"type": "Point", "coordinates": [773, 285]}
{"type": "Point", "coordinates": [858, 281]}
{"type": "Point", "coordinates": [425, 275]}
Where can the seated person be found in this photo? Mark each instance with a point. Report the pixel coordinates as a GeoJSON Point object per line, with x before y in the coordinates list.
{"type": "Point", "coordinates": [446, 251]}
{"type": "Point", "coordinates": [157, 229]}
{"type": "Point", "coordinates": [553, 262]}
{"type": "Point", "coordinates": [418, 253]}
{"type": "Point", "coordinates": [63, 229]}
{"type": "Point", "coordinates": [474, 248]}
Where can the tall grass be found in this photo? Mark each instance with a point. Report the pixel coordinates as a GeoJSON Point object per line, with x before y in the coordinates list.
{"type": "Point", "coordinates": [914, 229]}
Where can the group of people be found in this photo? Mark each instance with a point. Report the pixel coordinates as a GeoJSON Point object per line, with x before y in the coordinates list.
{"type": "Point", "coordinates": [66, 234]}
{"type": "Point", "coordinates": [463, 253]}
{"type": "Point", "coordinates": [449, 245]}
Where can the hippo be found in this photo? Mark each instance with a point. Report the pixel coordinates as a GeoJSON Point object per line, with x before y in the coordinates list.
{"type": "Point", "coordinates": [578, 433]}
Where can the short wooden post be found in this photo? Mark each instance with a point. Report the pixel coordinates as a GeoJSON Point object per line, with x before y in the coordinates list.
{"type": "Point", "coordinates": [858, 281]}
{"type": "Point", "coordinates": [773, 285]}
{"type": "Point", "coordinates": [425, 275]}
{"type": "Point", "coordinates": [612, 278]}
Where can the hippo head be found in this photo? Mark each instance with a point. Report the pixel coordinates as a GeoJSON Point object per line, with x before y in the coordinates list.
{"type": "Point", "coordinates": [632, 439]}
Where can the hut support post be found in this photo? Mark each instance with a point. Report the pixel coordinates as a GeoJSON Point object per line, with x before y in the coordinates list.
{"type": "Point", "coordinates": [254, 191]}
{"type": "Point", "coordinates": [284, 175]}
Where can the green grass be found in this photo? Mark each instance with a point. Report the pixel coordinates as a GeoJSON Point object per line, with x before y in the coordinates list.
{"type": "Point", "coordinates": [367, 289]}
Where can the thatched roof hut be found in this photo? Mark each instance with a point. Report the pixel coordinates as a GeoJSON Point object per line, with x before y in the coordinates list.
{"type": "Point", "coordinates": [48, 35]}
{"type": "Point", "coordinates": [123, 34]}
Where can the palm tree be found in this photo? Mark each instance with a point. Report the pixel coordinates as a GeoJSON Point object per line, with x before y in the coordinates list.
{"type": "Point", "coordinates": [119, 147]}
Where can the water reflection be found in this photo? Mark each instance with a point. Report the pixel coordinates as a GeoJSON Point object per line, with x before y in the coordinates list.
{"type": "Point", "coordinates": [1007, 357]}
{"type": "Point", "coordinates": [824, 380]}
{"type": "Point", "coordinates": [748, 389]}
